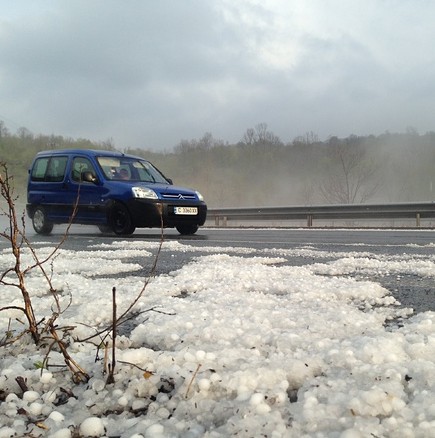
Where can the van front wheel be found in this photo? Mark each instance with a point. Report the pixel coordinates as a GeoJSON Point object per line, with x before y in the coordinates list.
{"type": "Point", "coordinates": [187, 230]}
{"type": "Point", "coordinates": [40, 223]}
{"type": "Point", "coordinates": [120, 220]}
{"type": "Point", "coordinates": [105, 229]}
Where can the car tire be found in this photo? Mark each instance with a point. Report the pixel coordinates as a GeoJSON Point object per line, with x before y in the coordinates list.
{"type": "Point", "coordinates": [40, 223]}
{"type": "Point", "coordinates": [187, 230]}
{"type": "Point", "coordinates": [120, 220]}
{"type": "Point", "coordinates": [105, 229]}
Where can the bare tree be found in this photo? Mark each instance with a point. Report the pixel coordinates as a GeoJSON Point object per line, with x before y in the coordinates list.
{"type": "Point", "coordinates": [249, 136]}
{"type": "Point", "coordinates": [260, 135]}
{"type": "Point", "coordinates": [353, 174]}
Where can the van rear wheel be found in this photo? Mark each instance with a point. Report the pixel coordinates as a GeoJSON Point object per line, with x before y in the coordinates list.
{"type": "Point", "coordinates": [40, 223]}
{"type": "Point", "coordinates": [120, 220]}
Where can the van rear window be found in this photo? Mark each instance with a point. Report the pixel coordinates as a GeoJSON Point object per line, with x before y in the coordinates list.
{"type": "Point", "coordinates": [49, 169]}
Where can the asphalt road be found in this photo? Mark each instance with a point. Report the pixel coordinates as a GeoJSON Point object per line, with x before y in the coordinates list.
{"type": "Point", "coordinates": [411, 290]}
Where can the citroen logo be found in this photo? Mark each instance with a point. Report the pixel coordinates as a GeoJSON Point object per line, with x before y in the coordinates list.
{"type": "Point", "coordinates": [180, 196]}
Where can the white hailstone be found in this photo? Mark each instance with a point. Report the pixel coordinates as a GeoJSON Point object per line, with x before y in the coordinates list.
{"type": "Point", "coordinates": [7, 432]}
{"type": "Point", "coordinates": [154, 431]}
{"type": "Point", "coordinates": [189, 357]}
{"type": "Point", "coordinates": [56, 416]}
{"type": "Point", "coordinates": [35, 408]}
{"type": "Point", "coordinates": [11, 411]}
{"type": "Point", "coordinates": [243, 393]}
{"type": "Point", "coordinates": [204, 384]}
{"type": "Point", "coordinates": [215, 377]}
{"type": "Point", "coordinates": [200, 355]}
{"type": "Point", "coordinates": [163, 413]}
{"type": "Point", "coordinates": [11, 398]}
{"type": "Point", "coordinates": [351, 433]}
{"type": "Point", "coordinates": [138, 404]}
{"type": "Point", "coordinates": [49, 397]}
{"type": "Point", "coordinates": [61, 433]}
{"type": "Point", "coordinates": [19, 424]}
{"type": "Point", "coordinates": [117, 393]}
{"type": "Point", "coordinates": [98, 385]}
{"type": "Point", "coordinates": [30, 396]}
{"type": "Point", "coordinates": [262, 408]}
{"type": "Point", "coordinates": [162, 398]}
{"type": "Point", "coordinates": [45, 377]}
{"type": "Point", "coordinates": [256, 399]}
{"type": "Point", "coordinates": [123, 401]}
{"type": "Point", "coordinates": [92, 427]}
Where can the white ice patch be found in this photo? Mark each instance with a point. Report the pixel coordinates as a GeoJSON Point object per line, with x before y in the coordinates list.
{"type": "Point", "coordinates": [228, 345]}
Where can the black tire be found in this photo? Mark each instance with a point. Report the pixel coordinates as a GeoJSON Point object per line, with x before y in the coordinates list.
{"type": "Point", "coordinates": [40, 223]}
{"type": "Point", "coordinates": [105, 229]}
{"type": "Point", "coordinates": [187, 230]}
{"type": "Point", "coordinates": [120, 220]}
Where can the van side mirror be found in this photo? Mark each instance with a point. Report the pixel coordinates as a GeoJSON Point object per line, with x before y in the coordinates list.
{"type": "Point", "coordinates": [169, 181]}
{"type": "Point", "coordinates": [89, 177]}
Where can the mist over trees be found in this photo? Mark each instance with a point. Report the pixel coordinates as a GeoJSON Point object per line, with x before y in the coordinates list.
{"type": "Point", "coordinates": [263, 170]}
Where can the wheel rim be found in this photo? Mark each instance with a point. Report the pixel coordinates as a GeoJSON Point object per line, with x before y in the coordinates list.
{"type": "Point", "coordinates": [121, 221]}
{"type": "Point", "coordinates": [38, 220]}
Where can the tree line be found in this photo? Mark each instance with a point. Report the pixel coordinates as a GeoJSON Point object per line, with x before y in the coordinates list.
{"type": "Point", "coordinates": [262, 170]}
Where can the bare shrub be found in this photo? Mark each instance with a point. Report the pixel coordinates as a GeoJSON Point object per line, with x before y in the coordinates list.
{"type": "Point", "coordinates": [43, 328]}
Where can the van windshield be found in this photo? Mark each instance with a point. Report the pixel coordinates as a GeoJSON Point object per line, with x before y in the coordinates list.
{"type": "Point", "coordinates": [130, 169]}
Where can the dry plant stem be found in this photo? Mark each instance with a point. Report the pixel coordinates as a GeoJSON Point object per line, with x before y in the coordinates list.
{"type": "Point", "coordinates": [40, 263]}
{"type": "Point", "coordinates": [106, 358]}
{"type": "Point", "coordinates": [152, 272]}
{"type": "Point", "coordinates": [16, 238]}
{"type": "Point", "coordinates": [136, 366]}
{"type": "Point", "coordinates": [192, 379]}
{"type": "Point", "coordinates": [22, 383]}
{"type": "Point", "coordinates": [123, 318]}
{"type": "Point", "coordinates": [13, 238]}
{"type": "Point", "coordinates": [110, 377]}
{"type": "Point", "coordinates": [105, 331]}
{"type": "Point", "coordinates": [79, 375]}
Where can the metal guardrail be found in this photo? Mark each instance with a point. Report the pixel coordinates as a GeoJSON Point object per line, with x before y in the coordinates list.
{"type": "Point", "coordinates": [417, 211]}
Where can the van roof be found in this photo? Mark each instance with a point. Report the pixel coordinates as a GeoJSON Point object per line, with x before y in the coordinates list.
{"type": "Point", "coordinates": [89, 152]}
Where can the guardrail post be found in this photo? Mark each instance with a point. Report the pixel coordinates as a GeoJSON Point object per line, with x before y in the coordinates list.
{"type": "Point", "coordinates": [417, 217]}
{"type": "Point", "coordinates": [309, 220]}
{"type": "Point", "coordinates": [220, 221]}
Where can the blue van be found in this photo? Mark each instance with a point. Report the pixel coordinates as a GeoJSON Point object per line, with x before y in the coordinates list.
{"type": "Point", "coordinates": [115, 191]}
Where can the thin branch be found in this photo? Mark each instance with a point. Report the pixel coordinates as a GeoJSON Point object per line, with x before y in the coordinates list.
{"type": "Point", "coordinates": [110, 377]}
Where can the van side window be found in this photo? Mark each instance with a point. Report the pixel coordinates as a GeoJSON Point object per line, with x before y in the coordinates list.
{"type": "Point", "coordinates": [49, 169]}
{"type": "Point", "coordinates": [81, 164]}
{"type": "Point", "coordinates": [39, 168]}
{"type": "Point", "coordinates": [56, 169]}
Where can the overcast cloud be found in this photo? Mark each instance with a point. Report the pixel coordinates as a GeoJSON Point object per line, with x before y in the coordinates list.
{"type": "Point", "coordinates": [151, 73]}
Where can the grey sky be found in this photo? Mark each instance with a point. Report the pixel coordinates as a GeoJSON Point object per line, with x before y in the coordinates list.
{"type": "Point", "coordinates": [151, 73]}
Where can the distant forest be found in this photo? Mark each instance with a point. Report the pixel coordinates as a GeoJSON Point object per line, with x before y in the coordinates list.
{"type": "Point", "coordinates": [262, 170]}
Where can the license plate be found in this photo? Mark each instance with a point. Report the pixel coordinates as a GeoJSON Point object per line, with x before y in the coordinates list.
{"type": "Point", "coordinates": [186, 210]}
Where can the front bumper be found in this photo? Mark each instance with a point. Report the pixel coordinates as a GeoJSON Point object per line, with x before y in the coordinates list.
{"type": "Point", "coordinates": [150, 213]}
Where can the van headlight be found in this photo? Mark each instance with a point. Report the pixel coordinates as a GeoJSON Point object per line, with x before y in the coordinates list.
{"type": "Point", "coordinates": [200, 197]}
{"type": "Point", "coordinates": [143, 193]}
